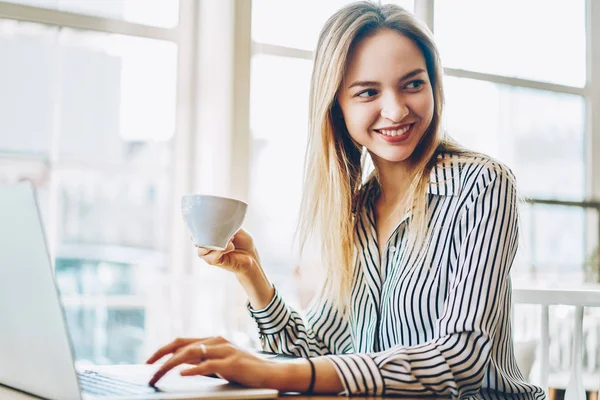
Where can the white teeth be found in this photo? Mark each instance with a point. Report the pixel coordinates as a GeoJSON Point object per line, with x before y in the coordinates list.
{"type": "Point", "coordinates": [396, 132]}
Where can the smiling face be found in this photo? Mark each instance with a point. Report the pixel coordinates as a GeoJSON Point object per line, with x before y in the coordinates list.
{"type": "Point", "coordinates": [386, 97]}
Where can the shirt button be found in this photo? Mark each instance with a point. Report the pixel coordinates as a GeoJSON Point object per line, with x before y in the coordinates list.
{"type": "Point", "coordinates": [392, 249]}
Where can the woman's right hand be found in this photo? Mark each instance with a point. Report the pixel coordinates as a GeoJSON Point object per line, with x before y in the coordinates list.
{"type": "Point", "coordinates": [240, 256]}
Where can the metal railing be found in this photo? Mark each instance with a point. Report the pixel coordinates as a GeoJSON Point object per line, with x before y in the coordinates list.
{"type": "Point", "coordinates": [545, 298]}
{"type": "Point", "coordinates": [577, 298]}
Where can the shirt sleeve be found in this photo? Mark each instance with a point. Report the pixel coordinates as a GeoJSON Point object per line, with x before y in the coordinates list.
{"type": "Point", "coordinates": [283, 330]}
{"type": "Point", "coordinates": [485, 243]}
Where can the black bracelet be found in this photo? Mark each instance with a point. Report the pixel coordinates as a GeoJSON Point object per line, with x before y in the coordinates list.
{"type": "Point", "coordinates": [312, 376]}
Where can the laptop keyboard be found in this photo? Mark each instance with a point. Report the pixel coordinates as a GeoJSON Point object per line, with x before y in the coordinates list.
{"type": "Point", "coordinates": [95, 383]}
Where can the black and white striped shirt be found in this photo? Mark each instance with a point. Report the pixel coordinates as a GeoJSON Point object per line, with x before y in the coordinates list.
{"type": "Point", "coordinates": [435, 322]}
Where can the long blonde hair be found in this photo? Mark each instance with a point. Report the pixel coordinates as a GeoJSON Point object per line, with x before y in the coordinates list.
{"type": "Point", "coordinates": [335, 164]}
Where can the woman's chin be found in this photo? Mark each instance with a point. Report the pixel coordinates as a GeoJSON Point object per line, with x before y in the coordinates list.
{"type": "Point", "coordinates": [395, 157]}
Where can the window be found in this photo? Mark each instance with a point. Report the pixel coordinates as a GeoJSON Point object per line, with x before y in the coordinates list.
{"type": "Point", "coordinates": [94, 128]}
{"type": "Point", "coordinates": [516, 97]}
{"type": "Point", "coordinates": [523, 95]}
{"type": "Point", "coordinates": [481, 41]}
{"type": "Point", "coordinates": [540, 135]}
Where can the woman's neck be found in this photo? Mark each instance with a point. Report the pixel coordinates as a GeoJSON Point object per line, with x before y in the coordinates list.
{"type": "Point", "coordinates": [394, 179]}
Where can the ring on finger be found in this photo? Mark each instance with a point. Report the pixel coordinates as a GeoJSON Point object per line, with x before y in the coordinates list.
{"type": "Point", "coordinates": [203, 351]}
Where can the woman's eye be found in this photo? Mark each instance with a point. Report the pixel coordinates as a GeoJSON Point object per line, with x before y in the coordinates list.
{"type": "Point", "coordinates": [367, 93]}
{"type": "Point", "coordinates": [415, 84]}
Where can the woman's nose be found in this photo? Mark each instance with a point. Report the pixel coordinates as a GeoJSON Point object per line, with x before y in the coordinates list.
{"type": "Point", "coordinates": [393, 108]}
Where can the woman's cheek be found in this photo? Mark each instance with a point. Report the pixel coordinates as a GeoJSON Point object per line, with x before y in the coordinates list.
{"type": "Point", "coordinates": [423, 105]}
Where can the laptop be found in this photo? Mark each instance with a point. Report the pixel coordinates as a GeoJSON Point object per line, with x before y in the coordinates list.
{"type": "Point", "coordinates": [36, 354]}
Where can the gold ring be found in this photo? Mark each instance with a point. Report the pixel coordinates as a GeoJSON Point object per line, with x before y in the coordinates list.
{"type": "Point", "coordinates": [203, 350]}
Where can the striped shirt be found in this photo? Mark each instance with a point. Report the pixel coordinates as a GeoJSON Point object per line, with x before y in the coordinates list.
{"type": "Point", "coordinates": [430, 322]}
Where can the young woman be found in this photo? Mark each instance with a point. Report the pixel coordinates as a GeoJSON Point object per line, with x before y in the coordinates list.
{"type": "Point", "coordinates": [417, 294]}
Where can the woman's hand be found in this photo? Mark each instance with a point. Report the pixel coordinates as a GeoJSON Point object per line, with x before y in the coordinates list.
{"type": "Point", "coordinates": [218, 356]}
{"type": "Point", "coordinates": [241, 258]}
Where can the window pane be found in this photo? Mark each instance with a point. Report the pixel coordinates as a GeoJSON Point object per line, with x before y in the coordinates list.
{"type": "Point", "coordinates": [545, 41]}
{"type": "Point", "coordinates": [546, 254]}
{"type": "Point", "coordinates": [27, 94]}
{"type": "Point", "coordinates": [105, 331]}
{"type": "Point", "coordinates": [539, 134]}
{"type": "Point", "coordinates": [295, 24]}
{"type": "Point", "coordinates": [163, 13]}
{"type": "Point", "coordinates": [279, 134]}
{"type": "Point", "coordinates": [137, 200]}
{"type": "Point", "coordinates": [99, 95]}
{"type": "Point", "coordinates": [116, 91]}
{"type": "Point", "coordinates": [107, 104]}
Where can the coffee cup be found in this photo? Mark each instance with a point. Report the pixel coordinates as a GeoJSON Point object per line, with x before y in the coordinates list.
{"type": "Point", "coordinates": [212, 220]}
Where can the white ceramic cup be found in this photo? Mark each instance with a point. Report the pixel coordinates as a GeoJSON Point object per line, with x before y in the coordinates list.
{"type": "Point", "coordinates": [212, 220]}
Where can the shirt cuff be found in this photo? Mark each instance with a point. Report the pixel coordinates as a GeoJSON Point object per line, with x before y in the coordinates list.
{"type": "Point", "coordinates": [273, 318]}
{"type": "Point", "coordinates": [359, 374]}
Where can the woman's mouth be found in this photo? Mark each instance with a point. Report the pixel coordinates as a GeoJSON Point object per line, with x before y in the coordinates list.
{"type": "Point", "coordinates": [395, 134]}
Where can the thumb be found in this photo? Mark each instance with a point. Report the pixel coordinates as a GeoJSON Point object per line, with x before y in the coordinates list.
{"type": "Point", "coordinates": [230, 247]}
{"type": "Point", "coordinates": [243, 240]}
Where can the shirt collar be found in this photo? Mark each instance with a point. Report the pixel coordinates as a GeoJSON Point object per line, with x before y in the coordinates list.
{"type": "Point", "coordinates": [445, 176]}
{"type": "Point", "coordinates": [444, 179]}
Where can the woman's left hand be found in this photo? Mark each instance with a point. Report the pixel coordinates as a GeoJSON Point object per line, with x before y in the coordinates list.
{"type": "Point", "coordinates": [218, 356]}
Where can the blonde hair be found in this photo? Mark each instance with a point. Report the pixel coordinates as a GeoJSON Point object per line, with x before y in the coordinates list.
{"type": "Point", "coordinates": [335, 164]}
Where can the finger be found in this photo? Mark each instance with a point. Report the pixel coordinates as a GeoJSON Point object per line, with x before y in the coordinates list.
{"type": "Point", "coordinates": [215, 257]}
{"type": "Point", "coordinates": [230, 247]}
{"type": "Point", "coordinates": [166, 367]}
{"type": "Point", "coordinates": [203, 251]}
{"type": "Point", "coordinates": [170, 348]}
{"type": "Point", "coordinates": [218, 349]}
{"type": "Point", "coordinates": [191, 355]}
{"type": "Point", "coordinates": [242, 239]}
{"type": "Point", "coordinates": [210, 367]}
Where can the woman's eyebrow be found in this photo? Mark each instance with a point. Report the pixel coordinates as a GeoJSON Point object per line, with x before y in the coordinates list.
{"type": "Point", "coordinates": [363, 83]}
{"type": "Point", "coordinates": [374, 83]}
{"type": "Point", "coordinates": [412, 73]}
